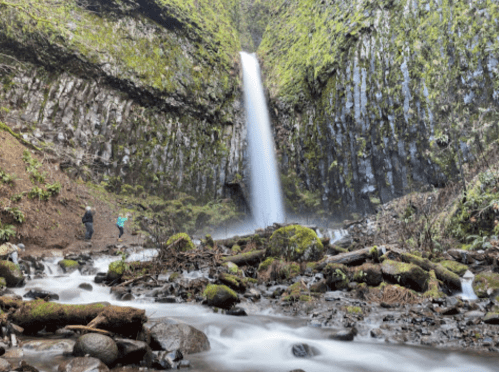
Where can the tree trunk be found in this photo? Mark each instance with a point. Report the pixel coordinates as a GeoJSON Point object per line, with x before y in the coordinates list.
{"type": "Point", "coordinates": [354, 258]}
{"type": "Point", "coordinates": [250, 258]}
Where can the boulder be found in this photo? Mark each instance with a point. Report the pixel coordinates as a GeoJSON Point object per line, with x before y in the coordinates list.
{"type": "Point", "coordinates": [491, 318]}
{"type": "Point", "coordinates": [169, 335]}
{"type": "Point", "coordinates": [344, 335]}
{"type": "Point", "coordinates": [12, 274]}
{"type": "Point", "coordinates": [368, 273]}
{"type": "Point", "coordinates": [486, 284]}
{"type": "Point", "coordinates": [336, 276]}
{"type": "Point", "coordinates": [233, 282]}
{"type": "Point", "coordinates": [97, 346]}
{"type": "Point", "coordinates": [68, 266]}
{"type": "Point", "coordinates": [116, 270]}
{"type": "Point", "coordinates": [131, 351]}
{"type": "Point", "coordinates": [167, 359]}
{"type": "Point", "coordinates": [237, 311]}
{"type": "Point", "coordinates": [455, 267]}
{"type": "Point", "coordinates": [220, 296]}
{"type": "Point", "coordinates": [184, 242]}
{"type": "Point", "coordinates": [86, 287]}
{"type": "Point", "coordinates": [405, 274]}
{"type": "Point", "coordinates": [40, 293]}
{"type": "Point", "coordinates": [304, 351]}
{"type": "Point", "coordinates": [80, 364]}
{"type": "Point", "coordinates": [296, 243]}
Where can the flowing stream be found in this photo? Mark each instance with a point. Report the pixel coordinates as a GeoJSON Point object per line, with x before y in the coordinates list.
{"type": "Point", "coordinates": [266, 197]}
{"type": "Point", "coordinates": [261, 342]}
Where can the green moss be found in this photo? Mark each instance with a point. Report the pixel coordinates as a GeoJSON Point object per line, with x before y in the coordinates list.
{"type": "Point", "coordinates": [354, 310]}
{"type": "Point", "coordinates": [236, 248]}
{"type": "Point", "coordinates": [174, 276]}
{"type": "Point", "coordinates": [68, 264]}
{"type": "Point", "coordinates": [296, 243]}
{"type": "Point", "coordinates": [185, 243]}
{"type": "Point", "coordinates": [289, 270]}
{"type": "Point", "coordinates": [117, 268]}
{"type": "Point", "coordinates": [433, 287]}
{"type": "Point", "coordinates": [454, 266]}
{"type": "Point", "coordinates": [212, 290]}
{"type": "Point", "coordinates": [484, 282]}
{"type": "Point", "coordinates": [265, 264]}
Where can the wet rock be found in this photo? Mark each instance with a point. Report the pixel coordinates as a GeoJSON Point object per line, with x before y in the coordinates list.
{"type": "Point", "coordinates": [62, 346]}
{"type": "Point", "coordinates": [5, 365]}
{"type": "Point", "coordinates": [97, 346]}
{"type": "Point", "coordinates": [131, 351]}
{"type": "Point", "coordinates": [83, 364]}
{"type": "Point", "coordinates": [319, 287]}
{"type": "Point", "coordinates": [40, 293]}
{"type": "Point", "coordinates": [304, 351]}
{"type": "Point", "coordinates": [451, 310]}
{"type": "Point", "coordinates": [232, 282]}
{"type": "Point", "coordinates": [253, 294]}
{"type": "Point", "coordinates": [491, 318]}
{"type": "Point", "coordinates": [68, 266]}
{"type": "Point", "coordinates": [127, 297]}
{"type": "Point", "coordinates": [167, 300]}
{"type": "Point", "coordinates": [12, 274]}
{"type": "Point", "coordinates": [237, 311]}
{"type": "Point", "coordinates": [86, 286]}
{"type": "Point", "coordinates": [168, 334]}
{"type": "Point", "coordinates": [486, 284]}
{"type": "Point", "coordinates": [220, 296]}
{"type": "Point", "coordinates": [405, 274]}
{"type": "Point", "coordinates": [14, 353]}
{"type": "Point", "coordinates": [344, 335]}
{"type": "Point", "coordinates": [297, 370]}
{"type": "Point", "coordinates": [474, 314]}
{"type": "Point", "coordinates": [119, 292]}
{"type": "Point", "coordinates": [100, 278]}
{"type": "Point", "coordinates": [377, 333]}
{"type": "Point", "coordinates": [368, 273]}
{"type": "Point", "coordinates": [336, 276]}
{"type": "Point", "coordinates": [166, 359]}
{"type": "Point", "coordinates": [64, 332]}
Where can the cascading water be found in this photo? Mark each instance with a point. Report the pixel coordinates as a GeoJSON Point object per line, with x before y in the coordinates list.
{"type": "Point", "coordinates": [467, 286]}
{"type": "Point", "coordinates": [266, 197]}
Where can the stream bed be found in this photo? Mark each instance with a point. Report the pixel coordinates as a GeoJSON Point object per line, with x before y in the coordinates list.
{"type": "Point", "coordinates": [261, 341]}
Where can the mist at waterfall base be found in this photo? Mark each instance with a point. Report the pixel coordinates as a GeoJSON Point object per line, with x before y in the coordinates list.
{"type": "Point", "coordinates": [260, 342]}
{"type": "Point", "coordinates": [266, 196]}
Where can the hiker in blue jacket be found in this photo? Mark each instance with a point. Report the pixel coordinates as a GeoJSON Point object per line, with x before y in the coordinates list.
{"type": "Point", "coordinates": [88, 221]}
{"type": "Point", "coordinates": [121, 223]}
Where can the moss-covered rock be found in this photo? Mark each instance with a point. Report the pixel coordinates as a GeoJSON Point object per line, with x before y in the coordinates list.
{"type": "Point", "coordinates": [486, 284]}
{"type": "Point", "coordinates": [289, 270]}
{"type": "Point", "coordinates": [367, 273]}
{"type": "Point", "coordinates": [233, 282]}
{"type": "Point", "coordinates": [11, 273]}
{"type": "Point", "coordinates": [455, 267]}
{"type": "Point", "coordinates": [220, 296]}
{"type": "Point", "coordinates": [265, 264]}
{"type": "Point", "coordinates": [68, 266]}
{"type": "Point", "coordinates": [174, 276]}
{"type": "Point", "coordinates": [185, 243]}
{"type": "Point", "coordinates": [405, 274]}
{"type": "Point", "coordinates": [3, 282]}
{"type": "Point", "coordinates": [296, 243]}
{"type": "Point", "coordinates": [336, 276]}
{"type": "Point", "coordinates": [233, 268]}
{"type": "Point", "coordinates": [434, 287]}
{"type": "Point", "coordinates": [296, 292]}
{"type": "Point", "coordinates": [116, 269]}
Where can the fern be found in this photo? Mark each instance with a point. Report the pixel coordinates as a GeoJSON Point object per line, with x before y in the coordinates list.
{"type": "Point", "coordinates": [6, 231]}
{"type": "Point", "coordinates": [7, 178]}
{"type": "Point", "coordinates": [54, 188]}
{"type": "Point", "coordinates": [16, 213]}
{"type": "Point", "coordinates": [37, 192]}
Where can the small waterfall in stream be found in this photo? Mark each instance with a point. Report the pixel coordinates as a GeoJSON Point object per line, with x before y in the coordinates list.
{"type": "Point", "coordinates": [467, 286]}
{"type": "Point", "coordinates": [266, 197]}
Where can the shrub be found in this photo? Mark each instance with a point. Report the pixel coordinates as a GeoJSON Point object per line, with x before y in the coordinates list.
{"type": "Point", "coordinates": [7, 178]}
{"type": "Point", "coordinates": [17, 197]}
{"type": "Point", "coordinates": [37, 192]}
{"type": "Point", "coordinates": [16, 213]}
{"type": "Point", "coordinates": [54, 188]}
{"type": "Point", "coordinates": [6, 231]}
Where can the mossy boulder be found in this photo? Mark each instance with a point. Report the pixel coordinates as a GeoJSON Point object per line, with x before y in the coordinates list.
{"type": "Point", "coordinates": [455, 267]}
{"type": "Point", "coordinates": [220, 296]}
{"type": "Point", "coordinates": [405, 274]}
{"type": "Point", "coordinates": [296, 292]}
{"type": "Point", "coordinates": [367, 273]}
{"type": "Point", "coordinates": [232, 267]}
{"type": "Point", "coordinates": [296, 243]}
{"type": "Point", "coordinates": [434, 287]}
{"type": "Point", "coordinates": [266, 264]}
{"type": "Point", "coordinates": [486, 284]}
{"type": "Point", "coordinates": [116, 269]}
{"type": "Point", "coordinates": [68, 266]}
{"type": "Point", "coordinates": [233, 282]}
{"type": "Point", "coordinates": [185, 243]}
{"type": "Point", "coordinates": [336, 276]}
{"type": "Point", "coordinates": [289, 270]}
{"type": "Point", "coordinates": [11, 273]}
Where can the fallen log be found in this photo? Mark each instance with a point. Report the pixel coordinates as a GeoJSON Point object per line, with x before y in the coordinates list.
{"type": "Point", "coordinates": [35, 315]}
{"type": "Point", "coordinates": [353, 258]}
{"type": "Point", "coordinates": [249, 258]}
{"type": "Point", "coordinates": [88, 329]}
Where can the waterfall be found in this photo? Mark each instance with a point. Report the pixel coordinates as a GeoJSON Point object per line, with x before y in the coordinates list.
{"type": "Point", "coordinates": [467, 286]}
{"type": "Point", "coordinates": [266, 198]}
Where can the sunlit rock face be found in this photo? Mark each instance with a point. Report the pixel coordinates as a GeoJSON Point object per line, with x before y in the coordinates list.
{"type": "Point", "coordinates": [374, 99]}
{"type": "Point", "coordinates": [147, 91]}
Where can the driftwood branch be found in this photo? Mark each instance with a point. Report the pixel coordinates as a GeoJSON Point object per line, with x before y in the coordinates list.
{"type": "Point", "coordinates": [88, 329]}
{"type": "Point", "coordinates": [249, 258]}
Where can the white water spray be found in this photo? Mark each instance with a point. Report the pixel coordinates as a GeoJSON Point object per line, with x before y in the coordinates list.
{"type": "Point", "coordinates": [266, 197]}
{"type": "Point", "coordinates": [467, 286]}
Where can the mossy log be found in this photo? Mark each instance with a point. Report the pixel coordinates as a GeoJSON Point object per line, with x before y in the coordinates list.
{"type": "Point", "coordinates": [351, 258]}
{"type": "Point", "coordinates": [451, 280]}
{"type": "Point", "coordinates": [249, 258]}
{"type": "Point", "coordinates": [35, 315]}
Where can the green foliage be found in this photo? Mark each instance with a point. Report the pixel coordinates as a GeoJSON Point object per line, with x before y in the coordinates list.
{"type": "Point", "coordinates": [54, 188]}
{"type": "Point", "coordinates": [38, 193]}
{"type": "Point", "coordinates": [16, 213]}
{"type": "Point", "coordinates": [296, 243]}
{"type": "Point", "coordinates": [185, 243]}
{"type": "Point", "coordinates": [6, 178]}
{"type": "Point", "coordinates": [17, 197]}
{"type": "Point", "coordinates": [6, 231]}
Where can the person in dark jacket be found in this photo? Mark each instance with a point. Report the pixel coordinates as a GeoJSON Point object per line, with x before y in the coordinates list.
{"type": "Point", "coordinates": [88, 221]}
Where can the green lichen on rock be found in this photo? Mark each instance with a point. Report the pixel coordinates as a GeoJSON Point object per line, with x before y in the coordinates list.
{"type": "Point", "coordinates": [434, 287]}
{"type": "Point", "coordinates": [220, 296]}
{"type": "Point", "coordinates": [185, 243]}
{"type": "Point", "coordinates": [455, 267]}
{"type": "Point", "coordinates": [405, 274]}
{"type": "Point", "coordinates": [486, 284]}
{"type": "Point", "coordinates": [68, 265]}
{"type": "Point", "coordinates": [11, 273]}
{"type": "Point", "coordinates": [116, 269]}
{"type": "Point", "coordinates": [296, 243]}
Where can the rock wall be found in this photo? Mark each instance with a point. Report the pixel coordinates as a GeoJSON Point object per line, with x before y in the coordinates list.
{"type": "Point", "coordinates": [145, 91]}
{"type": "Point", "coordinates": [372, 99]}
